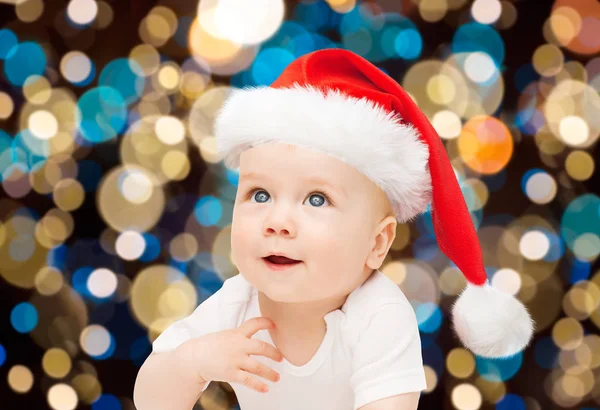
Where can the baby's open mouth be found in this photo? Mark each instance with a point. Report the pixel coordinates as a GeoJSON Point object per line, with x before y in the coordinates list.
{"type": "Point", "coordinates": [281, 260]}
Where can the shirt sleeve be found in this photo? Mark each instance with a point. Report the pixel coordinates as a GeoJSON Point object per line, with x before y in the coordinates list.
{"type": "Point", "coordinates": [387, 359]}
{"type": "Point", "coordinates": [203, 320]}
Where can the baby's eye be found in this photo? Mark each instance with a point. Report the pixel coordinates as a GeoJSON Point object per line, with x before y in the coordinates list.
{"type": "Point", "coordinates": [262, 195]}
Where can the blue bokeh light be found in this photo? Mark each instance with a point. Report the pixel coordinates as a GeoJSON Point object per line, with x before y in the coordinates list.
{"type": "Point", "coordinates": [121, 75]}
{"type": "Point", "coordinates": [24, 60]}
{"type": "Point", "coordinates": [208, 210]}
{"type": "Point", "coordinates": [8, 40]}
{"type": "Point", "coordinates": [24, 317]}
{"type": "Point", "coordinates": [475, 36]}
{"type": "Point", "coordinates": [101, 114]}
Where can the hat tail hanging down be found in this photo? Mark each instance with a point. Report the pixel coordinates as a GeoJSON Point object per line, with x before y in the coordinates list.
{"type": "Point", "coordinates": [339, 103]}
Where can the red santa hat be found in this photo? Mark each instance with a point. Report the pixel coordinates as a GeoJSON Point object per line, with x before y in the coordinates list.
{"type": "Point", "coordinates": [339, 103]}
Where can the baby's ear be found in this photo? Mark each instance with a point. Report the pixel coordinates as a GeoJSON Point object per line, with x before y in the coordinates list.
{"type": "Point", "coordinates": [385, 235]}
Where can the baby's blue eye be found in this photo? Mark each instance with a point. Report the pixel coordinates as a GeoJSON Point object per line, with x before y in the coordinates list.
{"type": "Point", "coordinates": [259, 193]}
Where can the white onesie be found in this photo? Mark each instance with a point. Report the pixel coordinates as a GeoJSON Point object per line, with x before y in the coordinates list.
{"type": "Point", "coordinates": [371, 349]}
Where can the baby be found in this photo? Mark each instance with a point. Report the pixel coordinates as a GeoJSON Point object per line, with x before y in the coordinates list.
{"type": "Point", "coordinates": [310, 322]}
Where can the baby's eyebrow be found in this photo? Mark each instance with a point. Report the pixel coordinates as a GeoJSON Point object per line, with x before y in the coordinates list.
{"type": "Point", "coordinates": [311, 179]}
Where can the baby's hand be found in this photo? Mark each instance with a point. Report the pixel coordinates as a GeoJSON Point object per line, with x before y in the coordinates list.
{"type": "Point", "coordinates": [225, 355]}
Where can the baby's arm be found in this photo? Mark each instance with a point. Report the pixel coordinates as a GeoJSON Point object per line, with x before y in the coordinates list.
{"type": "Point", "coordinates": [167, 379]}
{"type": "Point", "coordinates": [165, 382]}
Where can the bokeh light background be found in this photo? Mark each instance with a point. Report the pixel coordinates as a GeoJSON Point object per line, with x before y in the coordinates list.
{"type": "Point", "coordinates": [115, 213]}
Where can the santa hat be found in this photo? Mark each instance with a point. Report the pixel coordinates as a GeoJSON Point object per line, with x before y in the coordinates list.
{"type": "Point", "coordinates": [337, 102]}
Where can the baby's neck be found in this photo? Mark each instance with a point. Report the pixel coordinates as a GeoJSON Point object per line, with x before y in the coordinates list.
{"type": "Point", "coordinates": [296, 319]}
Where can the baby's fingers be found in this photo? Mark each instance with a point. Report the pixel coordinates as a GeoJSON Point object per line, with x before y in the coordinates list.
{"type": "Point", "coordinates": [250, 381]}
{"type": "Point", "coordinates": [256, 367]}
{"type": "Point", "coordinates": [260, 348]}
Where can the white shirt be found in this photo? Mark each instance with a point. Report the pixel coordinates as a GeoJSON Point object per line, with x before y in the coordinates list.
{"type": "Point", "coordinates": [371, 349]}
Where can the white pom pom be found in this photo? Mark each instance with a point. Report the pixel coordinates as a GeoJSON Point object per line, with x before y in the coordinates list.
{"type": "Point", "coordinates": [490, 322]}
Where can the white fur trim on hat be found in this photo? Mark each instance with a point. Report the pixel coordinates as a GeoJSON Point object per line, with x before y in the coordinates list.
{"type": "Point", "coordinates": [353, 130]}
{"type": "Point", "coordinates": [490, 322]}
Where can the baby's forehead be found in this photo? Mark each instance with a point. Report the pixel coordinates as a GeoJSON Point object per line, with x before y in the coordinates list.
{"type": "Point", "coordinates": [330, 180]}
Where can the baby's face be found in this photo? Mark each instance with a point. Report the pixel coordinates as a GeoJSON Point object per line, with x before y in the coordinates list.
{"type": "Point", "coordinates": [277, 209]}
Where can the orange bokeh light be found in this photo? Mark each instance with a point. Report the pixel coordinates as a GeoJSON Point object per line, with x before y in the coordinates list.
{"type": "Point", "coordinates": [485, 144]}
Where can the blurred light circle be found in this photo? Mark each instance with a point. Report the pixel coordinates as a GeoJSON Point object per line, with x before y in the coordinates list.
{"type": "Point", "coordinates": [433, 10]}
{"type": "Point", "coordinates": [485, 144]}
{"type": "Point", "coordinates": [587, 246]}
{"type": "Point", "coordinates": [62, 396]}
{"type": "Point", "coordinates": [570, 110]}
{"type": "Point", "coordinates": [76, 67]}
{"type": "Point", "coordinates": [565, 23]}
{"type": "Point", "coordinates": [48, 281]}
{"type": "Point", "coordinates": [466, 397]}
{"type": "Point", "coordinates": [342, 6]}
{"type": "Point", "coordinates": [82, 12]}
{"type": "Point", "coordinates": [87, 386]}
{"type": "Point", "coordinates": [130, 245]}
{"type": "Point", "coordinates": [269, 64]}
{"type": "Point", "coordinates": [441, 89]}
{"type": "Point", "coordinates": [475, 36]}
{"type": "Point", "coordinates": [507, 280]}
{"type": "Point", "coordinates": [183, 247]}
{"type": "Point", "coordinates": [223, 56]}
{"type": "Point", "coordinates": [68, 194]}
{"type": "Point", "coordinates": [447, 124]}
{"type": "Point", "coordinates": [95, 340]}
{"type": "Point", "coordinates": [579, 165]}
{"type": "Point", "coordinates": [486, 11]}
{"type": "Point", "coordinates": [169, 77]}
{"type": "Point", "coordinates": [29, 10]}
{"type": "Point", "coordinates": [7, 106]}
{"type": "Point", "coordinates": [169, 130]}
{"type": "Point", "coordinates": [24, 317]}
{"type": "Point", "coordinates": [499, 370]}
{"type": "Point", "coordinates": [429, 317]}
{"type": "Point", "coordinates": [122, 75]}
{"type": "Point", "coordinates": [37, 90]}
{"type": "Point", "coordinates": [159, 25]}
{"type": "Point", "coordinates": [135, 186]}
{"type": "Point", "coordinates": [152, 249]}
{"type": "Point", "coordinates": [175, 165]}
{"type": "Point", "coordinates": [534, 245]}
{"type": "Point", "coordinates": [581, 22]}
{"type": "Point", "coordinates": [480, 67]}
{"type": "Point", "coordinates": [242, 21]}
{"type": "Point", "coordinates": [146, 58]}
{"type": "Point", "coordinates": [540, 187]}
{"type": "Point", "coordinates": [101, 114]}
{"type": "Point", "coordinates": [56, 363]}
{"type": "Point", "coordinates": [8, 40]}
{"type": "Point", "coordinates": [460, 363]}
{"type": "Point", "coordinates": [43, 124]}
{"type": "Point", "coordinates": [105, 15]}
{"type": "Point", "coordinates": [548, 60]}
{"type": "Point", "coordinates": [582, 217]}
{"type": "Point", "coordinates": [208, 210]}
{"type": "Point", "coordinates": [107, 401]}
{"type": "Point", "coordinates": [102, 283]}
{"type": "Point", "coordinates": [20, 378]}
{"type": "Point", "coordinates": [574, 130]}
{"type": "Point", "coordinates": [24, 60]}
{"type": "Point", "coordinates": [408, 44]}
{"type": "Point", "coordinates": [567, 333]}
{"type": "Point", "coordinates": [124, 204]}
{"type": "Point", "coordinates": [511, 402]}
{"type": "Point", "coordinates": [148, 303]}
